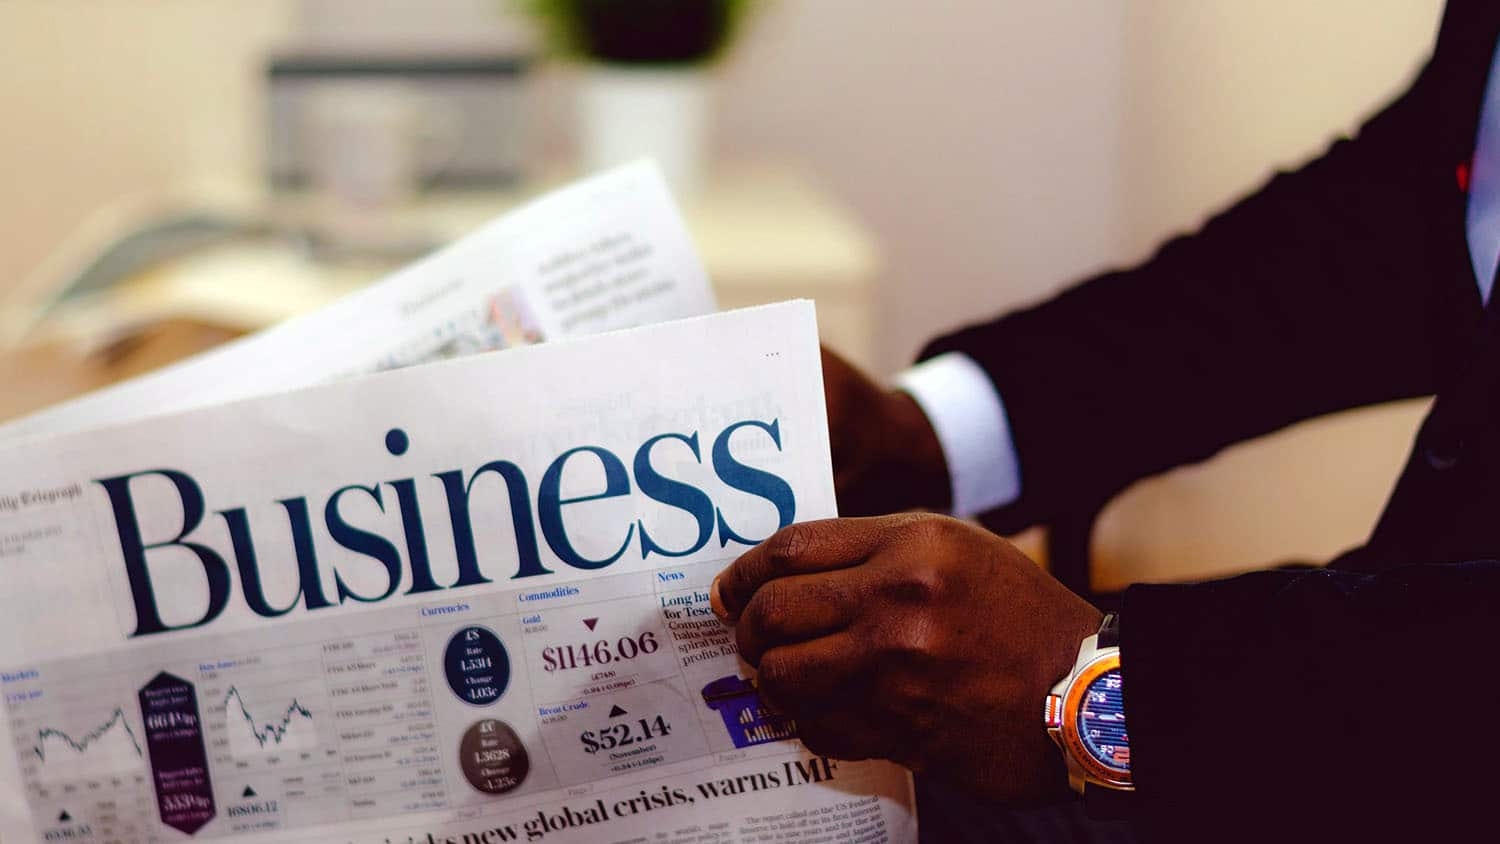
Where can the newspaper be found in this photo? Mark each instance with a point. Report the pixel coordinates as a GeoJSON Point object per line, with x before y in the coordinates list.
{"type": "Point", "coordinates": [463, 602]}
{"type": "Point", "coordinates": [608, 252]}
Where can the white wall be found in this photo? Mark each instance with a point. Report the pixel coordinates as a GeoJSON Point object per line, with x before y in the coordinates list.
{"type": "Point", "coordinates": [979, 138]}
{"type": "Point", "coordinates": [1217, 94]}
{"type": "Point", "coordinates": [101, 99]}
{"type": "Point", "coordinates": [999, 148]}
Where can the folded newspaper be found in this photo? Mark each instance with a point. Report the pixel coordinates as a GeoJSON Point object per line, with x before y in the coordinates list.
{"type": "Point", "coordinates": [458, 602]}
{"type": "Point", "coordinates": [610, 252]}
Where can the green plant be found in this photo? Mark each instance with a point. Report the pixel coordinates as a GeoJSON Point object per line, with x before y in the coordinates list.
{"type": "Point", "coordinates": [652, 32]}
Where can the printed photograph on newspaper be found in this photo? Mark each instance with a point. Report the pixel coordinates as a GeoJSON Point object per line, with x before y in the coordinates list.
{"type": "Point", "coordinates": [459, 602]}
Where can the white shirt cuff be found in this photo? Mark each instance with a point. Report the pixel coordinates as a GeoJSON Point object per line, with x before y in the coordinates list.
{"type": "Point", "coordinates": [968, 415]}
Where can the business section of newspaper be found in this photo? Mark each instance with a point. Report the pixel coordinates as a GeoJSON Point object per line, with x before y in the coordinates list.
{"type": "Point", "coordinates": [190, 653]}
{"type": "Point", "coordinates": [593, 704]}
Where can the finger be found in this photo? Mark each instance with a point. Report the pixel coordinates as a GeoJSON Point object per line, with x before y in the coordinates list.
{"type": "Point", "coordinates": [839, 383]}
{"type": "Point", "coordinates": [828, 687]}
{"type": "Point", "coordinates": [796, 549]}
{"type": "Point", "coordinates": [821, 678]}
{"type": "Point", "coordinates": [795, 609]}
{"type": "Point", "coordinates": [834, 369]}
{"type": "Point", "coordinates": [821, 685]}
{"type": "Point", "coordinates": [847, 737]}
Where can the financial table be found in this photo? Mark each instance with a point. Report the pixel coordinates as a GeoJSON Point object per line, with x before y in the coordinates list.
{"type": "Point", "coordinates": [481, 702]}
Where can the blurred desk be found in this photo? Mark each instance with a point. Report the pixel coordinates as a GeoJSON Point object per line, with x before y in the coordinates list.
{"type": "Point", "coordinates": [766, 232]}
{"type": "Point", "coordinates": [39, 375]}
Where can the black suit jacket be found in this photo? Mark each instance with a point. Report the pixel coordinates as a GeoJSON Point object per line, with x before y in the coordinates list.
{"type": "Point", "coordinates": [1355, 699]}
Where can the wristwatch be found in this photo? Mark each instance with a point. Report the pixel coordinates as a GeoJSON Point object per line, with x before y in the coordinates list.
{"type": "Point", "coordinates": [1085, 715]}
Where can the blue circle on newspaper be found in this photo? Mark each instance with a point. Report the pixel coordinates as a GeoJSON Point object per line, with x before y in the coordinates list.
{"type": "Point", "coordinates": [477, 667]}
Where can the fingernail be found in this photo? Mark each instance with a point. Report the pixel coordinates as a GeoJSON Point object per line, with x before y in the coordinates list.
{"type": "Point", "coordinates": [717, 603]}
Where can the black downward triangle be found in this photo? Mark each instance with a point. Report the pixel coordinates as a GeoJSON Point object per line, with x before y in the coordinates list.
{"type": "Point", "coordinates": [249, 792]}
{"type": "Point", "coordinates": [615, 711]}
{"type": "Point", "coordinates": [64, 817]}
{"type": "Point", "coordinates": [590, 622]}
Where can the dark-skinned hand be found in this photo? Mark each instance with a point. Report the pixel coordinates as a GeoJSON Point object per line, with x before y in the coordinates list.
{"type": "Point", "coordinates": [916, 638]}
{"type": "Point", "coordinates": [886, 457]}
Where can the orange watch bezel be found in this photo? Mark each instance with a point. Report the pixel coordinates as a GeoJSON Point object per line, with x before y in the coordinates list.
{"type": "Point", "coordinates": [1094, 770]}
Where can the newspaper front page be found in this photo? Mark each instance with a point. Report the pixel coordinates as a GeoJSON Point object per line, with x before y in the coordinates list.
{"type": "Point", "coordinates": [464, 602]}
{"type": "Point", "coordinates": [608, 252]}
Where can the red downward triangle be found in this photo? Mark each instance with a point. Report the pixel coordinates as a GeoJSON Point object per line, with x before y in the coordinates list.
{"type": "Point", "coordinates": [591, 622]}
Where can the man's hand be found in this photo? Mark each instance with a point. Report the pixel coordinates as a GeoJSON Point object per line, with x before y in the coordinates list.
{"type": "Point", "coordinates": [886, 457]}
{"type": "Point", "coordinates": [916, 638]}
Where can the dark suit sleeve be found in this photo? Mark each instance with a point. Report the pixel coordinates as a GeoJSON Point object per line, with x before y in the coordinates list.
{"type": "Point", "coordinates": [1287, 702]}
{"type": "Point", "coordinates": [1335, 286]}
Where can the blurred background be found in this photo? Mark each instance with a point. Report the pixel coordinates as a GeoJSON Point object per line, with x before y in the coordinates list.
{"type": "Point", "coordinates": [911, 165]}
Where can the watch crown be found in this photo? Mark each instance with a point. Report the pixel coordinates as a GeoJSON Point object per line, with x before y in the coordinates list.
{"type": "Point", "coordinates": [1052, 711]}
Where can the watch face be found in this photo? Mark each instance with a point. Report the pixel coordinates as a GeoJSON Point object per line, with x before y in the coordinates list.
{"type": "Point", "coordinates": [1101, 722]}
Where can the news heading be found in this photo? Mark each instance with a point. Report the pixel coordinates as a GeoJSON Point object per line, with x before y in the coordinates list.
{"type": "Point", "coordinates": [456, 490]}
